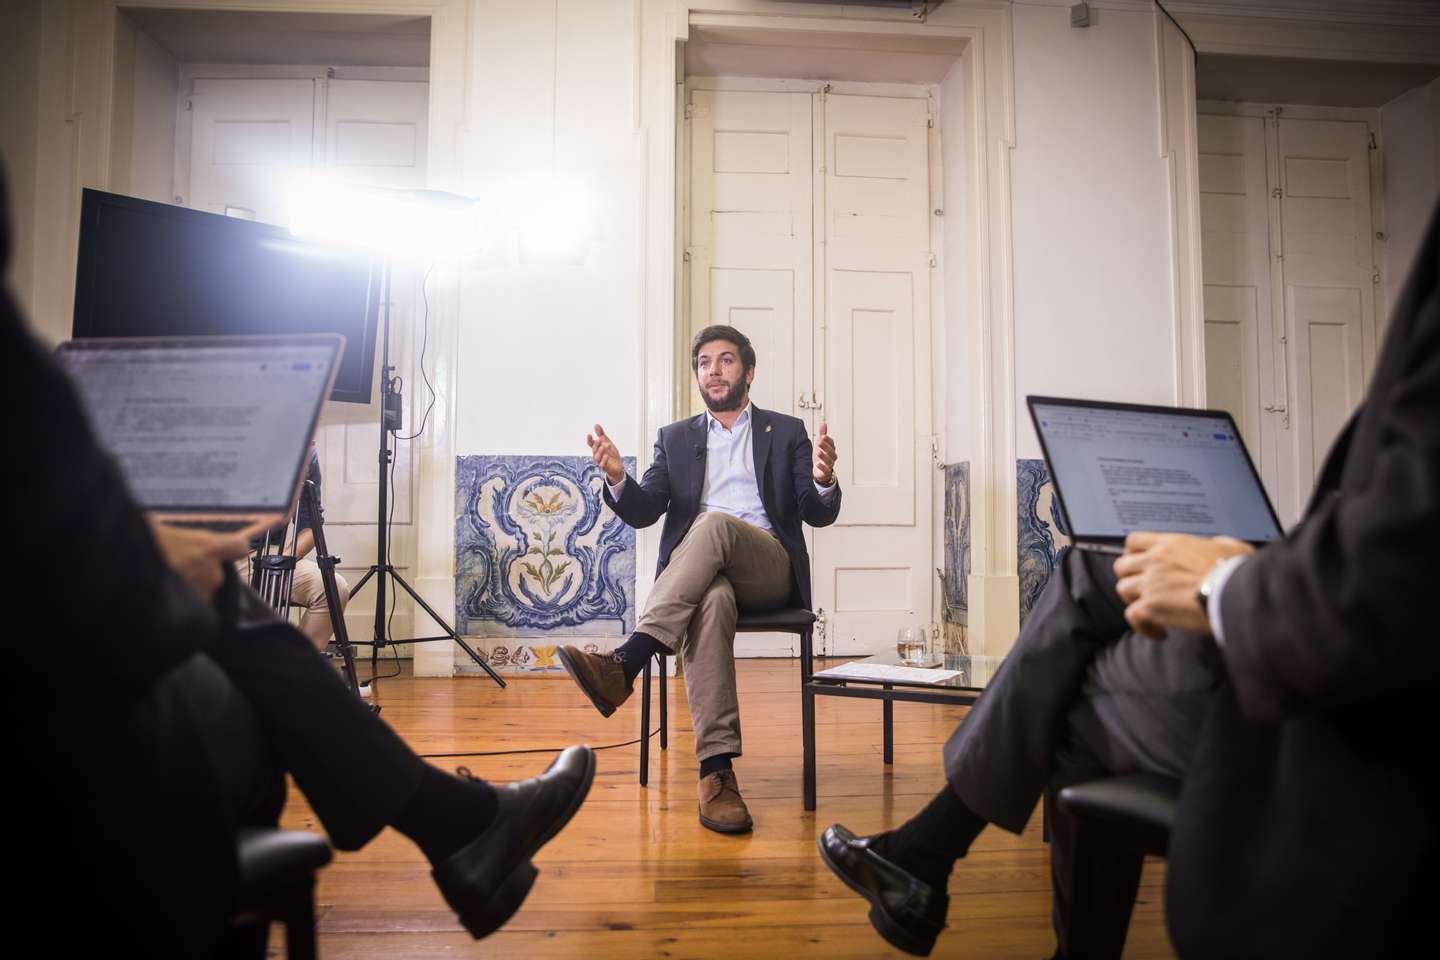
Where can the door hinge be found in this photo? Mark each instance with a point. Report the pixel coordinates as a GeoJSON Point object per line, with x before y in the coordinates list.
{"type": "Point", "coordinates": [935, 451]}
{"type": "Point", "coordinates": [686, 255]}
{"type": "Point", "coordinates": [1375, 277]}
{"type": "Point", "coordinates": [689, 111]}
{"type": "Point", "coordinates": [932, 260]}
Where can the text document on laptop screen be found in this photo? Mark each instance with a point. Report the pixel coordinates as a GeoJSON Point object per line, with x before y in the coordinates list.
{"type": "Point", "coordinates": [204, 427]}
{"type": "Point", "coordinates": [1125, 470]}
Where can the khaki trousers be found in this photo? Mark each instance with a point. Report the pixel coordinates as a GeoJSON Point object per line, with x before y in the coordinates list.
{"type": "Point", "coordinates": [722, 563]}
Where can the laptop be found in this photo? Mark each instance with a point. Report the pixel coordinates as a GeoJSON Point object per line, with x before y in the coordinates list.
{"type": "Point", "coordinates": [1121, 467]}
{"type": "Point", "coordinates": [210, 432]}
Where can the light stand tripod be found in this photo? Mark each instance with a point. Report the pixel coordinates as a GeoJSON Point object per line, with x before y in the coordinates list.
{"type": "Point", "coordinates": [381, 569]}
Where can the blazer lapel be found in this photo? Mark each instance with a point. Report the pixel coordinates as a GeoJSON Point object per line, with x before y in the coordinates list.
{"type": "Point", "coordinates": [760, 434]}
{"type": "Point", "coordinates": [695, 476]}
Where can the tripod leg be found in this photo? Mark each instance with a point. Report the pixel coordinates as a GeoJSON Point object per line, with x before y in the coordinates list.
{"type": "Point", "coordinates": [332, 590]}
{"type": "Point", "coordinates": [448, 630]}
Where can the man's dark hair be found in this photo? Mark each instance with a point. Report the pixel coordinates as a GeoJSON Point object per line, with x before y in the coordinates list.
{"type": "Point", "coordinates": [720, 331]}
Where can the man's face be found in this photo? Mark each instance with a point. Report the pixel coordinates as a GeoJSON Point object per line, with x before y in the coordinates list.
{"type": "Point", "coordinates": [717, 374]}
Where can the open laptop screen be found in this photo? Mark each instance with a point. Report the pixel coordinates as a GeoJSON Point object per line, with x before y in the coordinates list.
{"type": "Point", "coordinates": [1121, 468]}
{"type": "Point", "coordinates": [212, 425]}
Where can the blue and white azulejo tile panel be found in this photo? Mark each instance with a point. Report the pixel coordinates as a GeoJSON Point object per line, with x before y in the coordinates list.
{"type": "Point", "coordinates": [955, 608]}
{"type": "Point", "coordinates": [538, 554]}
{"type": "Point", "coordinates": [1041, 530]}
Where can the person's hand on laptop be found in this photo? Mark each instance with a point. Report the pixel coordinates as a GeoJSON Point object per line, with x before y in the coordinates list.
{"type": "Point", "coordinates": [197, 555]}
{"type": "Point", "coordinates": [1159, 576]}
{"type": "Point", "coordinates": [606, 455]}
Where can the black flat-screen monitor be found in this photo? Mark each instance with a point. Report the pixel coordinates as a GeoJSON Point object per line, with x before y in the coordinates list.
{"type": "Point", "coordinates": [154, 270]}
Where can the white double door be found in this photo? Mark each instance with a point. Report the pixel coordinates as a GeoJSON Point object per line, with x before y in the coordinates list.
{"type": "Point", "coordinates": [1290, 278]}
{"type": "Point", "coordinates": [248, 137]}
{"type": "Point", "coordinates": [809, 232]}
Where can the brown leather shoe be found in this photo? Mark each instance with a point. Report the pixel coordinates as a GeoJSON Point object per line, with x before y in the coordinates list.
{"type": "Point", "coordinates": [599, 676]}
{"type": "Point", "coordinates": [722, 809]}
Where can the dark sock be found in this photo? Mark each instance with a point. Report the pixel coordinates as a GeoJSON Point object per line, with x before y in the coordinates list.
{"type": "Point", "coordinates": [721, 761]}
{"type": "Point", "coordinates": [633, 653]}
{"type": "Point", "coordinates": [929, 843]}
{"type": "Point", "coordinates": [446, 813]}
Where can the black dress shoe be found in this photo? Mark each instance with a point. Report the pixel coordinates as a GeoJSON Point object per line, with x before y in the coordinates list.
{"type": "Point", "coordinates": [906, 911]}
{"type": "Point", "coordinates": [486, 880]}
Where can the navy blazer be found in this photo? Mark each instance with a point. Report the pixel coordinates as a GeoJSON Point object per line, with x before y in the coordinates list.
{"type": "Point", "coordinates": [673, 483]}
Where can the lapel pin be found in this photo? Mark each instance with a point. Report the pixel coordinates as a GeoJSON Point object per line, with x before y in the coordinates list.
{"type": "Point", "coordinates": [767, 428]}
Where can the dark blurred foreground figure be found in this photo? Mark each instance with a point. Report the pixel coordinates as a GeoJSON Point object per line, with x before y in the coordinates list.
{"type": "Point", "coordinates": [153, 706]}
{"type": "Point", "coordinates": [1295, 694]}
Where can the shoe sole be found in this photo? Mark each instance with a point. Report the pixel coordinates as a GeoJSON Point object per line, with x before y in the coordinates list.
{"type": "Point", "coordinates": [508, 897]}
{"type": "Point", "coordinates": [719, 827]}
{"type": "Point", "coordinates": [604, 708]}
{"type": "Point", "coordinates": [893, 934]}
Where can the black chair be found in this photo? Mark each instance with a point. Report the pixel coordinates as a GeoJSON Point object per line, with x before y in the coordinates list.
{"type": "Point", "coordinates": [1104, 829]}
{"type": "Point", "coordinates": [795, 620]}
{"type": "Point", "coordinates": [277, 884]}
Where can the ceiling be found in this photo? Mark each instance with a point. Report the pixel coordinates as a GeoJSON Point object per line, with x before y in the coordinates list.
{"type": "Point", "coordinates": [1329, 83]}
{"type": "Point", "coordinates": [319, 39]}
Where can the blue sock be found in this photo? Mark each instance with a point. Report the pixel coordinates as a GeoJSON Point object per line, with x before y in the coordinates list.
{"type": "Point", "coordinates": [633, 653]}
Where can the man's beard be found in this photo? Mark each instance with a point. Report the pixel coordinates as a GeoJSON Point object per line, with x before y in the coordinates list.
{"type": "Point", "coordinates": [733, 399]}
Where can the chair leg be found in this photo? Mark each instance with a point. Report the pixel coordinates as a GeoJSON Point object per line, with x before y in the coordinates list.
{"type": "Point", "coordinates": [889, 725]}
{"type": "Point", "coordinates": [664, 685]}
{"type": "Point", "coordinates": [645, 723]}
{"type": "Point", "coordinates": [807, 716]}
{"type": "Point", "coordinates": [299, 920]}
{"type": "Point", "coordinates": [1094, 880]}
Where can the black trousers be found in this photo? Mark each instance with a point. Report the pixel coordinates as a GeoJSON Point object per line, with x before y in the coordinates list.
{"type": "Point", "coordinates": [1078, 696]}
{"type": "Point", "coordinates": [274, 706]}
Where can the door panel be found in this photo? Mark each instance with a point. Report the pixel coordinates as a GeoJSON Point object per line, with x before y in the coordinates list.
{"type": "Point", "coordinates": [1324, 168]}
{"type": "Point", "coordinates": [247, 137]}
{"type": "Point", "coordinates": [1241, 335]}
{"type": "Point", "coordinates": [873, 567]}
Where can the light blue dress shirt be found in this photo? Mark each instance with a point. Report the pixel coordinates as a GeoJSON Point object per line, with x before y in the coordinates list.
{"type": "Point", "coordinates": [730, 485]}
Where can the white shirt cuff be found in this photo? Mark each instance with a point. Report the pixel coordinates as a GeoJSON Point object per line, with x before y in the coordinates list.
{"type": "Point", "coordinates": [1213, 608]}
{"type": "Point", "coordinates": [826, 492]}
{"type": "Point", "coordinates": [615, 488]}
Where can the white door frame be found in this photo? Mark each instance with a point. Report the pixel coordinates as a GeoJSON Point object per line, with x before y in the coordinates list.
{"type": "Point", "coordinates": [451, 31]}
{"type": "Point", "coordinates": [1258, 35]}
{"type": "Point", "coordinates": [981, 36]}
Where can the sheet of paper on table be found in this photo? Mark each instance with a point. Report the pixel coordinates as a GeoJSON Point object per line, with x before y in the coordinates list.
{"type": "Point", "coordinates": [860, 670]}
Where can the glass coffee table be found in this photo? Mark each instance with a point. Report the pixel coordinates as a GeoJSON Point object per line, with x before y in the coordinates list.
{"type": "Point", "coordinates": [887, 685]}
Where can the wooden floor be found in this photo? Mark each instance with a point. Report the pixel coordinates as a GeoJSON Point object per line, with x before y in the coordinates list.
{"type": "Point", "coordinates": [635, 875]}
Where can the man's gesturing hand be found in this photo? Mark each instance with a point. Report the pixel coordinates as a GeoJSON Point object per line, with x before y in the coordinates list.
{"type": "Point", "coordinates": [823, 463]}
{"type": "Point", "coordinates": [606, 457]}
{"type": "Point", "coordinates": [1159, 575]}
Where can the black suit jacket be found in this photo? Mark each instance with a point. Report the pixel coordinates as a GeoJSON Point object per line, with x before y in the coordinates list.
{"type": "Point", "coordinates": [1309, 823]}
{"type": "Point", "coordinates": [673, 483]}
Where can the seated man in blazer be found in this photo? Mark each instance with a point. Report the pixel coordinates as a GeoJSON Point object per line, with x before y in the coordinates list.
{"type": "Point", "coordinates": [734, 485]}
{"type": "Point", "coordinates": [1292, 688]}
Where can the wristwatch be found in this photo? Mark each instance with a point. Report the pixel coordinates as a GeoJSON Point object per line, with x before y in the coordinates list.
{"type": "Point", "coordinates": [1207, 586]}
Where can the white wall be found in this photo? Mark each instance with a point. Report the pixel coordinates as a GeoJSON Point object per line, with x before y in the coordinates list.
{"type": "Point", "coordinates": [1093, 301]}
{"type": "Point", "coordinates": [549, 349]}
{"type": "Point", "coordinates": [19, 105]}
{"type": "Point", "coordinates": [950, 385]}
{"type": "Point", "coordinates": [1410, 129]}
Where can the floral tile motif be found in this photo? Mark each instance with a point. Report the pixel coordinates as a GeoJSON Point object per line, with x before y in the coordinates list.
{"type": "Point", "coordinates": [538, 554]}
{"type": "Point", "coordinates": [1042, 533]}
{"type": "Point", "coordinates": [956, 601]}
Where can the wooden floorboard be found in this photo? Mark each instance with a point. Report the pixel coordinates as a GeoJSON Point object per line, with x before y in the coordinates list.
{"type": "Point", "coordinates": [635, 875]}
